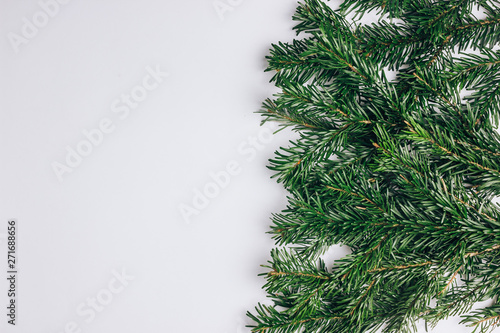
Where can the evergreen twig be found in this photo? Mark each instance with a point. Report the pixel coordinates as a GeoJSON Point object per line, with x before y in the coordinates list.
{"type": "Point", "coordinates": [402, 171]}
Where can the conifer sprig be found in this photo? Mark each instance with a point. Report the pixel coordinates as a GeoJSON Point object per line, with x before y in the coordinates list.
{"type": "Point", "coordinates": [402, 171]}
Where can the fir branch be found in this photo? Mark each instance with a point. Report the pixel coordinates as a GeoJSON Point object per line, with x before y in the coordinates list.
{"type": "Point", "coordinates": [403, 171]}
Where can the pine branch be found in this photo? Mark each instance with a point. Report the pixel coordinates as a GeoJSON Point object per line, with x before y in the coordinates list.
{"type": "Point", "coordinates": [404, 172]}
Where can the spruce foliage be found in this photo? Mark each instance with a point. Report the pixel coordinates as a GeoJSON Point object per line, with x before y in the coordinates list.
{"type": "Point", "coordinates": [402, 171]}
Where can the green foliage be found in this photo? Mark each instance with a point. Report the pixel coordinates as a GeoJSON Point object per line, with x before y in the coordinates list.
{"type": "Point", "coordinates": [402, 171]}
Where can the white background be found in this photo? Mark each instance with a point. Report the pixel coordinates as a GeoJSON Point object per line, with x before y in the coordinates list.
{"type": "Point", "coordinates": [118, 210]}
